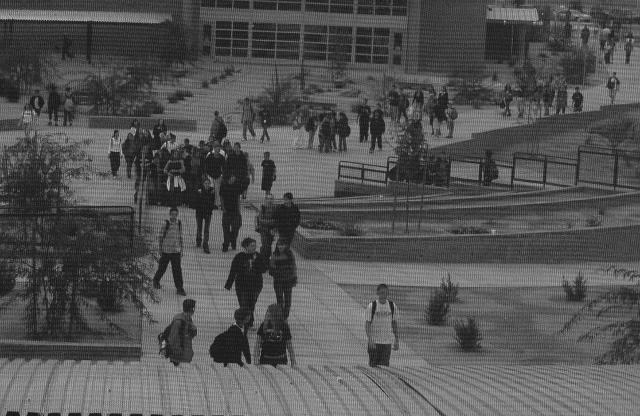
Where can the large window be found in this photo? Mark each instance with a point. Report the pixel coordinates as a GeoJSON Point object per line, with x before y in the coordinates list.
{"type": "Point", "coordinates": [332, 42]}
{"type": "Point", "coordinates": [383, 7]}
{"type": "Point", "coordinates": [277, 4]}
{"type": "Point", "coordinates": [372, 45]}
{"type": "Point", "coordinates": [237, 4]}
{"type": "Point", "coordinates": [271, 40]}
{"type": "Point", "coordinates": [332, 6]}
{"type": "Point", "coordinates": [232, 38]}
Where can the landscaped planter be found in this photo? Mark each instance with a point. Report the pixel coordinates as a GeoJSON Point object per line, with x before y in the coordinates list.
{"type": "Point", "coordinates": [123, 123]}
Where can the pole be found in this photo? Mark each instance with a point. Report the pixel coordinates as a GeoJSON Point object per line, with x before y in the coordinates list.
{"type": "Point", "coordinates": [406, 217]}
{"type": "Point", "coordinates": [393, 215]}
{"type": "Point", "coordinates": [424, 181]}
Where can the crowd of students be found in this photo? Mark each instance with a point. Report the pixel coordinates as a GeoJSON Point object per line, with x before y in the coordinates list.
{"type": "Point", "coordinates": [30, 117]}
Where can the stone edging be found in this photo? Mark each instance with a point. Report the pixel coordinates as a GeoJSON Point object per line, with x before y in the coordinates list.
{"type": "Point", "coordinates": [70, 350]}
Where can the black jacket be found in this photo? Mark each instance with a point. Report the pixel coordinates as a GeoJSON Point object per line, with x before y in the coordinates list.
{"type": "Point", "coordinates": [37, 102]}
{"type": "Point", "coordinates": [230, 196]}
{"type": "Point", "coordinates": [214, 165]}
{"type": "Point", "coordinates": [287, 218]}
{"type": "Point", "coordinates": [238, 345]}
{"type": "Point", "coordinates": [245, 275]}
{"type": "Point", "coordinates": [54, 101]}
{"type": "Point", "coordinates": [377, 126]}
{"type": "Point", "coordinates": [342, 127]}
{"type": "Point", "coordinates": [237, 165]}
{"type": "Point", "coordinates": [205, 201]}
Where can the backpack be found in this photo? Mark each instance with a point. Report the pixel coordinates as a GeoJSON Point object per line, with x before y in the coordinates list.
{"type": "Point", "coordinates": [374, 305]}
{"type": "Point", "coordinates": [611, 83]}
{"type": "Point", "coordinates": [163, 340]}
{"type": "Point", "coordinates": [347, 130]}
{"type": "Point", "coordinates": [453, 113]}
{"type": "Point", "coordinates": [219, 348]}
{"type": "Point", "coordinates": [273, 345]}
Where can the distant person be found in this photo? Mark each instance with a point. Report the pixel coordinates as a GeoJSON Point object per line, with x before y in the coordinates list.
{"type": "Point", "coordinates": [205, 201]}
{"type": "Point", "coordinates": [170, 246]}
{"type": "Point", "coordinates": [265, 123]}
{"type": "Point", "coordinates": [507, 98]}
{"type": "Point", "coordinates": [230, 192]}
{"type": "Point", "coordinates": [66, 47]}
{"type": "Point", "coordinates": [381, 327]}
{"type": "Point", "coordinates": [548, 94]}
{"type": "Point", "coordinates": [489, 169]}
{"type": "Point", "coordinates": [310, 126]}
{"type": "Point", "coordinates": [452, 116]}
{"type": "Point", "coordinates": [393, 98]}
{"type": "Point", "coordinates": [231, 345]}
{"type": "Point", "coordinates": [246, 272]}
{"type": "Point", "coordinates": [561, 98]}
{"type": "Point", "coordinates": [213, 167]}
{"type": "Point", "coordinates": [442, 102]}
{"type": "Point", "coordinates": [577, 99]}
{"type": "Point", "coordinates": [584, 35]}
{"type": "Point", "coordinates": [282, 267]}
{"type": "Point", "coordinates": [430, 107]}
{"type": "Point", "coordinates": [418, 101]}
{"type": "Point", "coordinates": [130, 147]}
{"type": "Point", "coordinates": [628, 48]}
{"type": "Point", "coordinates": [27, 120]}
{"type": "Point", "coordinates": [613, 85]}
{"type": "Point", "coordinates": [377, 129]}
{"type": "Point", "coordinates": [273, 339]}
{"type": "Point", "coordinates": [608, 51]}
{"type": "Point", "coordinates": [287, 219]}
{"type": "Point", "coordinates": [343, 130]}
{"type": "Point", "coordinates": [248, 115]}
{"type": "Point", "coordinates": [218, 129]}
{"type": "Point", "coordinates": [176, 185]}
{"type": "Point", "coordinates": [159, 128]}
{"type": "Point", "coordinates": [69, 107]}
{"type": "Point", "coordinates": [37, 102]}
{"type": "Point", "coordinates": [181, 333]}
{"type": "Point", "coordinates": [567, 30]}
{"type": "Point", "coordinates": [604, 37]}
{"type": "Point", "coordinates": [364, 117]}
{"type": "Point", "coordinates": [115, 152]}
{"type": "Point", "coordinates": [53, 104]}
{"type": "Point", "coordinates": [266, 225]}
{"type": "Point", "coordinates": [403, 105]}
{"type": "Point", "coordinates": [268, 173]}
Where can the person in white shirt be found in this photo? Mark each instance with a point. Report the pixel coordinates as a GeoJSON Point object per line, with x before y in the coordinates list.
{"type": "Point", "coordinates": [28, 120]}
{"type": "Point", "coordinates": [381, 326]}
{"type": "Point", "coordinates": [115, 151]}
{"type": "Point", "coordinates": [171, 144]}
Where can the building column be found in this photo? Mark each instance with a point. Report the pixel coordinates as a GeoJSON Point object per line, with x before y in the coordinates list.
{"type": "Point", "coordinates": [89, 40]}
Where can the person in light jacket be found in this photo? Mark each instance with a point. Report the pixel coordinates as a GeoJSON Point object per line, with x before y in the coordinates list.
{"type": "Point", "coordinates": [182, 333]}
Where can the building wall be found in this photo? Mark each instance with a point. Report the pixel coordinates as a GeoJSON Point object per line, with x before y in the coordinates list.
{"type": "Point", "coordinates": [157, 6]}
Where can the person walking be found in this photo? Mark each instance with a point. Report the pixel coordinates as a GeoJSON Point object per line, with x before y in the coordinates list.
{"type": "Point", "coordinates": [548, 95]}
{"type": "Point", "coordinates": [175, 170]}
{"type": "Point", "coordinates": [561, 98]}
{"type": "Point", "coordinates": [343, 130]}
{"type": "Point", "coordinates": [442, 102]}
{"type": "Point", "coordinates": [377, 129]}
{"type": "Point", "coordinates": [584, 35]}
{"type": "Point", "coordinates": [403, 105]}
{"type": "Point", "coordinates": [430, 107]}
{"type": "Point", "coordinates": [246, 272]}
{"type": "Point", "coordinates": [324, 131]}
{"type": "Point", "coordinates": [213, 167]}
{"type": "Point", "coordinates": [381, 326]}
{"type": "Point", "coordinates": [394, 101]}
{"type": "Point", "coordinates": [27, 120]}
{"type": "Point", "coordinates": [452, 115]}
{"type": "Point", "coordinates": [218, 129]}
{"type": "Point", "coordinates": [310, 127]}
{"type": "Point", "coordinates": [205, 201]}
{"type": "Point", "coordinates": [130, 147]}
{"type": "Point", "coordinates": [37, 103]}
{"type": "Point", "coordinates": [287, 219]}
{"type": "Point", "coordinates": [489, 168]}
{"type": "Point", "coordinates": [68, 107]}
{"type": "Point", "coordinates": [230, 192]}
{"type": "Point", "coordinates": [282, 267]}
{"type": "Point", "coordinates": [159, 128]}
{"type": "Point", "coordinates": [248, 115]}
{"type": "Point", "coordinates": [613, 85]}
{"type": "Point", "coordinates": [115, 152]}
{"type": "Point", "coordinates": [333, 124]}
{"type": "Point", "coordinates": [265, 122]}
{"type": "Point", "coordinates": [266, 225]}
{"type": "Point", "coordinates": [577, 99]}
{"type": "Point", "coordinates": [364, 117]}
{"type": "Point", "coordinates": [628, 48]}
{"type": "Point", "coordinates": [53, 104]}
{"type": "Point", "coordinates": [181, 333]}
{"type": "Point", "coordinates": [418, 102]}
{"type": "Point", "coordinates": [170, 246]}
{"type": "Point", "coordinates": [273, 339]}
{"type": "Point", "coordinates": [268, 173]}
{"type": "Point", "coordinates": [507, 98]}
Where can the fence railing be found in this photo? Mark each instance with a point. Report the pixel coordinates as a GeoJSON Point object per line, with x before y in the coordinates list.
{"type": "Point", "coordinates": [546, 161]}
{"type": "Point", "coordinates": [479, 162]}
{"type": "Point", "coordinates": [606, 152]}
{"type": "Point", "coordinates": [359, 171]}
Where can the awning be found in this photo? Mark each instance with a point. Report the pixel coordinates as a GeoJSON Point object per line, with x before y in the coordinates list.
{"type": "Point", "coordinates": [83, 16]}
{"type": "Point", "coordinates": [512, 15]}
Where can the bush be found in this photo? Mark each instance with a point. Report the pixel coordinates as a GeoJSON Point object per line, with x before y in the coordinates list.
{"type": "Point", "coordinates": [577, 291]}
{"type": "Point", "coordinates": [229, 70]}
{"type": "Point", "coordinates": [350, 230]}
{"type": "Point", "coordinates": [472, 93]}
{"type": "Point", "coordinates": [351, 93]}
{"type": "Point", "coordinates": [449, 289]}
{"type": "Point", "coordinates": [222, 76]}
{"type": "Point", "coordinates": [110, 297]}
{"type": "Point", "coordinates": [313, 89]}
{"type": "Point", "coordinates": [7, 278]}
{"type": "Point", "coordinates": [463, 229]}
{"type": "Point", "coordinates": [594, 221]}
{"type": "Point", "coordinates": [438, 308]}
{"type": "Point", "coordinates": [318, 225]}
{"type": "Point", "coordinates": [205, 84]}
{"type": "Point", "coordinates": [173, 99]}
{"type": "Point", "coordinates": [214, 80]}
{"type": "Point", "coordinates": [573, 65]}
{"type": "Point", "coordinates": [182, 94]}
{"type": "Point", "coordinates": [468, 334]}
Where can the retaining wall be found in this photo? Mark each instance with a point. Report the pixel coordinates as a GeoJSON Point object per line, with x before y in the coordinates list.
{"type": "Point", "coordinates": [70, 351]}
{"type": "Point", "coordinates": [10, 124]}
{"type": "Point", "coordinates": [123, 123]}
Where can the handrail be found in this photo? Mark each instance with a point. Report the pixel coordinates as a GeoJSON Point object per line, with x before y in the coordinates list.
{"type": "Point", "coordinates": [362, 168]}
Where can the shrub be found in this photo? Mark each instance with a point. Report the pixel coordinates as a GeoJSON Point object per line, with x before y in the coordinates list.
{"type": "Point", "coordinates": [472, 92]}
{"type": "Point", "coordinates": [229, 70]}
{"type": "Point", "coordinates": [7, 278]}
{"type": "Point", "coordinates": [437, 309]}
{"type": "Point", "coordinates": [464, 229]}
{"type": "Point", "coordinates": [449, 289]}
{"type": "Point", "coordinates": [110, 297]}
{"type": "Point", "coordinates": [468, 334]}
{"type": "Point", "coordinates": [350, 230]}
{"type": "Point", "coordinates": [205, 84]}
{"type": "Point", "coordinates": [576, 64]}
{"type": "Point", "coordinates": [318, 225]}
{"type": "Point", "coordinates": [222, 76]}
{"type": "Point", "coordinates": [594, 221]}
{"type": "Point", "coordinates": [313, 89]}
{"type": "Point", "coordinates": [577, 291]}
{"type": "Point", "coordinates": [351, 93]}
{"type": "Point", "coordinates": [182, 94]}
{"type": "Point", "coordinates": [214, 80]}
{"type": "Point", "coordinates": [173, 99]}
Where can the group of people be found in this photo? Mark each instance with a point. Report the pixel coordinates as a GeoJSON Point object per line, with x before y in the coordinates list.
{"type": "Point", "coordinates": [607, 39]}
{"type": "Point", "coordinates": [332, 130]}
{"type": "Point", "coordinates": [30, 118]}
{"type": "Point", "coordinates": [540, 101]}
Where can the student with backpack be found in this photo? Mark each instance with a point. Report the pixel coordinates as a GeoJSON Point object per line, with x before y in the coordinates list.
{"type": "Point", "coordinates": [170, 246]}
{"type": "Point", "coordinates": [229, 346]}
{"type": "Point", "coordinates": [343, 130]}
{"type": "Point", "coordinates": [613, 85]}
{"type": "Point", "coordinates": [452, 115]}
{"type": "Point", "coordinates": [381, 327]}
{"type": "Point", "coordinates": [176, 339]}
{"type": "Point", "coordinates": [273, 339]}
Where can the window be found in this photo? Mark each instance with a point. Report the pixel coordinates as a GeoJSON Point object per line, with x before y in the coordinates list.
{"type": "Point", "coordinates": [372, 45]}
{"type": "Point", "coordinates": [277, 4]}
{"type": "Point", "coordinates": [340, 41]}
{"type": "Point", "coordinates": [315, 42]}
{"type": "Point", "coordinates": [334, 40]}
{"type": "Point", "coordinates": [271, 40]}
{"type": "Point", "coordinates": [383, 7]}
{"type": "Point", "coordinates": [232, 38]}
{"type": "Point", "coordinates": [236, 4]}
{"type": "Point", "coordinates": [206, 33]}
{"type": "Point", "coordinates": [332, 6]}
{"type": "Point", "coordinates": [399, 7]}
{"type": "Point", "coordinates": [317, 6]}
{"type": "Point", "coordinates": [208, 3]}
{"type": "Point", "coordinates": [206, 50]}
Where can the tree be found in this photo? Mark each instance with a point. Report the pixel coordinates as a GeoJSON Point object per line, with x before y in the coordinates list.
{"type": "Point", "coordinates": [280, 98]}
{"type": "Point", "coordinates": [68, 255]}
{"type": "Point", "coordinates": [175, 49]}
{"type": "Point", "coordinates": [620, 308]}
{"type": "Point", "coordinates": [526, 76]}
{"type": "Point", "coordinates": [121, 92]}
{"type": "Point", "coordinates": [410, 150]}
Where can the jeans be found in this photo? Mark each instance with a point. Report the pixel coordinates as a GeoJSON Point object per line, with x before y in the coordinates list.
{"type": "Point", "coordinates": [247, 298]}
{"type": "Point", "coordinates": [374, 138]}
{"type": "Point", "coordinates": [114, 160]}
{"type": "Point", "coordinates": [311, 134]}
{"type": "Point", "coordinates": [67, 117]}
{"type": "Point", "coordinates": [266, 242]}
{"type": "Point", "coordinates": [129, 162]}
{"type": "Point", "coordinates": [231, 223]}
{"type": "Point", "coordinates": [283, 296]}
{"type": "Point", "coordinates": [265, 134]}
{"type": "Point", "coordinates": [342, 143]}
{"type": "Point", "coordinates": [364, 131]}
{"type": "Point", "coordinates": [379, 355]}
{"type": "Point", "coordinates": [202, 236]}
{"type": "Point", "coordinates": [176, 268]}
{"type": "Point", "coordinates": [247, 125]}
{"type": "Point", "coordinates": [53, 114]}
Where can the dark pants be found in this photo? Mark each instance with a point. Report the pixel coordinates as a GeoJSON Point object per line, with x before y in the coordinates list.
{"type": "Point", "coordinates": [364, 132]}
{"type": "Point", "coordinates": [627, 57]}
{"type": "Point", "coordinates": [231, 223]}
{"type": "Point", "coordinates": [176, 268]}
{"type": "Point", "coordinates": [342, 143]}
{"type": "Point", "coordinates": [266, 241]}
{"type": "Point", "coordinates": [114, 160]}
{"type": "Point", "coordinates": [283, 296]}
{"type": "Point", "coordinates": [67, 117]}
{"type": "Point", "coordinates": [286, 236]}
{"type": "Point", "coordinates": [333, 142]}
{"type": "Point", "coordinates": [247, 298]}
{"type": "Point", "coordinates": [374, 139]}
{"type": "Point", "coordinates": [129, 161]}
{"type": "Point", "coordinates": [202, 236]}
{"type": "Point", "coordinates": [379, 355]}
{"type": "Point", "coordinates": [265, 134]}
{"type": "Point", "coordinates": [53, 114]}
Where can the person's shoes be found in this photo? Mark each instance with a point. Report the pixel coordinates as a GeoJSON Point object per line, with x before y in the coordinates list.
{"type": "Point", "coordinates": [181, 292]}
{"type": "Point", "coordinates": [225, 249]}
{"type": "Point", "coordinates": [156, 285]}
{"type": "Point", "coordinates": [206, 250]}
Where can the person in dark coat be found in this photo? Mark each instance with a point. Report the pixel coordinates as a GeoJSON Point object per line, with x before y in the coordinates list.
{"type": "Point", "coordinates": [266, 225]}
{"type": "Point", "coordinates": [237, 165]}
{"type": "Point", "coordinates": [364, 117]}
{"type": "Point", "coordinates": [442, 102]}
{"type": "Point", "coordinates": [237, 342]}
{"type": "Point", "coordinates": [131, 147]}
{"type": "Point", "coordinates": [343, 130]}
{"type": "Point", "coordinates": [268, 173]}
{"type": "Point", "coordinates": [205, 201]}
{"type": "Point", "coordinates": [265, 122]}
{"type": "Point", "coordinates": [246, 272]}
{"type": "Point", "coordinates": [324, 134]}
{"type": "Point", "coordinates": [158, 129]}
{"type": "Point", "coordinates": [230, 192]}
{"type": "Point", "coordinates": [287, 219]}
{"type": "Point", "coordinates": [182, 333]}
{"type": "Point", "coordinates": [37, 102]}
{"type": "Point", "coordinates": [53, 104]}
{"type": "Point", "coordinates": [377, 128]}
{"type": "Point", "coordinates": [282, 267]}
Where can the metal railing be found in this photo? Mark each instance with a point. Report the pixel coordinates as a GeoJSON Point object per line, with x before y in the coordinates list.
{"type": "Point", "coordinates": [547, 161]}
{"type": "Point", "coordinates": [607, 152]}
{"type": "Point", "coordinates": [346, 169]}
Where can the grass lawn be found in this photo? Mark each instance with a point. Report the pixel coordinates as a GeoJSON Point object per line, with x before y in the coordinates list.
{"type": "Point", "coordinates": [519, 325]}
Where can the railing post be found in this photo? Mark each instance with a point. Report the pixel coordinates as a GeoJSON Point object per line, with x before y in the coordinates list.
{"type": "Point", "coordinates": [578, 168]}
{"type": "Point", "coordinates": [424, 181]}
{"type": "Point", "coordinates": [362, 173]}
{"type": "Point", "coordinates": [544, 173]}
{"type": "Point", "coordinates": [339, 169]}
{"type": "Point", "coordinates": [393, 215]}
{"type": "Point", "coordinates": [406, 226]}
{"type": "Point", "coordinates": [616, 159]}
{"type": "Point", "coordinates": [513, 171]}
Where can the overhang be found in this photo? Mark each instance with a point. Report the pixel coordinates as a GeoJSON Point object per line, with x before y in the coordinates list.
{"type": "Point", "coordinates": [512, 15]}
{"type": "Point", "coordinates": [75, 16]}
